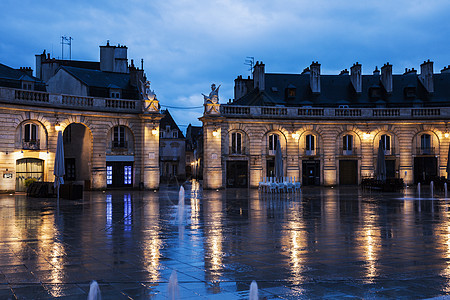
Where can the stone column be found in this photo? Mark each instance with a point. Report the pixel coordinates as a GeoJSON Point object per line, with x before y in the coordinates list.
{"type": "Point", "coordinates": [150, 155]}
{"type": "Point", "coordinates": [98, 160]}
{"type": "Point", "coordinates": [329, 160]}
{"type": "Point", "coordinates": [405, 142]}
{"type": "Point", "coordinates": [212, 155]}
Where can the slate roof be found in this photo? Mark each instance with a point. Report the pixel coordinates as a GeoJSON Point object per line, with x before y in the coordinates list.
{"type": "Point", "coordinates": [338, 90]}
{"type": "Point", "coordinates": [97, 78]}
{"type": "Point", "coordinates": [12, 78]}
{"type": "Point", "coordinates": [168, 120]}
{"type": "Point", "coordinates": [14, 74]}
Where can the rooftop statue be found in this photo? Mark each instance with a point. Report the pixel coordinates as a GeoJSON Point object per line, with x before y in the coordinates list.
{"type": "Point", "coordinates": [150, 104]}
{"type": "Point", "coordinates": [213, 95]}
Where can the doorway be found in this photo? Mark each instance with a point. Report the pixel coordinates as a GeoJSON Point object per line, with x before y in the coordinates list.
{"type": "Point", "coordinates": [311, 172]}
{"type": "Point", "coordinates": [237, 174]}
{"type": "Point", "coordinates": [348, 172]}
{"type": "Point", "coordinates": [425, 169]}
{"type": "Point", "coordinates": [119, 174]}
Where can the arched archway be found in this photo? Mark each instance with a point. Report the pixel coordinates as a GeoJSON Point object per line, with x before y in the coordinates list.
{"type": "Point", "coordinates": [78, 153]}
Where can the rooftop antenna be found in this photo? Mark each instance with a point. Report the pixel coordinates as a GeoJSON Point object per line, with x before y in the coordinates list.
{"type": "Point", "coordinates": [250, 61]}
{"type": "Point", "coordinates": [66, 41]}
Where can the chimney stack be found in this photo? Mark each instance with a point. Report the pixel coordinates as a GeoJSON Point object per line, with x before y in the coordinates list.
{"type": "Point", "coordinates": [410, 71]}
{"type": "Point", "coordinates": [426, 75]}
{"type": "Point", "coordinates": [446, 69]}
{"type": "Point", "coordinates": [314, 77]}
{"type": "Point", "coordinates": [27, 70]}
{"type": "Point", "coordinates": [356, 77]}
{"type": "Point", "coordinates": [113, 58]}
{"type": "Point", "coordinates": [259, 76]}
{"type": "Point", "coordinates": [344, 72]}
{"type": "Point", "coordinates": [376, 72]}
{"type": "Point", "coordinates": [241, 86]}
{"type": "Point", "coordinates": [386, 77]}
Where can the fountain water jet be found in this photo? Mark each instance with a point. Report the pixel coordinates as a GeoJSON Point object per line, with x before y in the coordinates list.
{"type": "Point", "coordinates": [253, 291]}
{"type": "Point", "coordinates": [173, 286]}
{"type": "Point", "coordinates": [180, 208]}
{"type": "Point", "coordinates": [94, 291]}
{"type": "Point", "coordinates": [445, 189]}
{"type": "Point", "coordinates": [432, 188]}
{"type": "Point", "coordinates": [181, 197]}
{"type": "Point", "coordinates": [418, 189]}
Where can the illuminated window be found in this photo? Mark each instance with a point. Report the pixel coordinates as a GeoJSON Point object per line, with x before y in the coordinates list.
{"type": "Point", "coordinates": [127, 175]}
{"type": "Point", "coordinates": [109, 173]}
{"type": "Point", "coordinates": [175, 134]}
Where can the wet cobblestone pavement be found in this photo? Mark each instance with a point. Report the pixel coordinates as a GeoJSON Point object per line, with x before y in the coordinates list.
{"type": "Point", "coordinates": [322, 243]}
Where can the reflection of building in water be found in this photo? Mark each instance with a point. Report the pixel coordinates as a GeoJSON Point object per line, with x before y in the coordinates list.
{"type": "Point", "coordinates": [151, 240]}
{"type": "Point", "coordinates": [368, 240]}
{"type": "Point", "coordinates": [294, 241]}
{"type": "Point", "coordinates": [213, 244]}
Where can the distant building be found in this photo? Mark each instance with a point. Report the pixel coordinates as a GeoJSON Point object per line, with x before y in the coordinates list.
{"type": "Point", "coordinates": [20, 79]}
{"type": "Point", "coordinates": [172, 159]}
{"type": "Point", "coordinates": [106, 110]}
{"type": "Point", "coordinates": [194, 152]}
{"type": "Point", "coordinates": [329, 126]}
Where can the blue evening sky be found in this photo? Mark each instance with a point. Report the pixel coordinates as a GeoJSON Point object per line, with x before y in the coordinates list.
{"type": "Point", "coordinates": [187, 45]}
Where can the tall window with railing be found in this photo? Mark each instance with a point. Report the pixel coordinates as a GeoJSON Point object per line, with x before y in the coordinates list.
{"type": "Point", "coordinates": [236, 143]}
{"type": "Point", "coordinates": [425, 144]}
{"type": "Point", "coordinates": [30, 139]}
{"type": "Point", "coordinates": [347, 144]}
{"type": "Point", "coordinates": [119, 137]}
{"type": "Point", "coordinates": [310, 145]}
{"type": "Point", "coordinates": [386, 142]}
{"type": "Point", "coordinates": [273, 140]}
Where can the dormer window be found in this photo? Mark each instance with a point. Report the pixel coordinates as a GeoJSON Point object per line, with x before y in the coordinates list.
{"type": "Point", "coordinates": [175, 134]}
{"type": "Point", "coordinates": [114, 93]}
{"type": "Point", "coordinates": [410, 92]}
{"type": "Point", "coordinates": [27, 85]}
{"type": "Point", "coordinates": [375, 92]}
{"type": "Point", "coordinates": [291, 91]}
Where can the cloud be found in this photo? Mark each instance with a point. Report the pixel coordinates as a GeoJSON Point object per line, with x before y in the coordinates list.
{"type": "Point", "coordinates": [187, 45]}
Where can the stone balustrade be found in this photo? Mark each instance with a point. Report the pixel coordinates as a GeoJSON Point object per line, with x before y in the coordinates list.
{"type": "Point", "coordinates": [334, 113]}
{"type": "Point", "coordinates": [24, 97]}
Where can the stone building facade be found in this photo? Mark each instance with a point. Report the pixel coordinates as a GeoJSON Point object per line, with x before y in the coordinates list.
{"type": "Point", "coordinates": [110, 126]}
{"type": "Point", "coordinates": [330, 126]}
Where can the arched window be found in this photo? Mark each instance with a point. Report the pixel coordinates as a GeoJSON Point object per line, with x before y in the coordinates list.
{"type": "Point", "coordinates": [310, 144]}
{"type": "Point", "coordinates": [30, 137]}
{"type": "Point", "coordinates": [236, 143]}
{"type": "Point", "coordinates": [119, 140]}
{"type": "Point", "coordinates": [425, 144]}
{"type": "Point", "coordinates": [273, 140]}
{"type": "Point", "coordinates": [386, 142]}
{"type": "Point", "coordinates": [347, 144]}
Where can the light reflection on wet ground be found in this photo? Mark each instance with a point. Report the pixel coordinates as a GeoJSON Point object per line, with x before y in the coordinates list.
{"type": "Point", "coordinates": [322, 243]}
